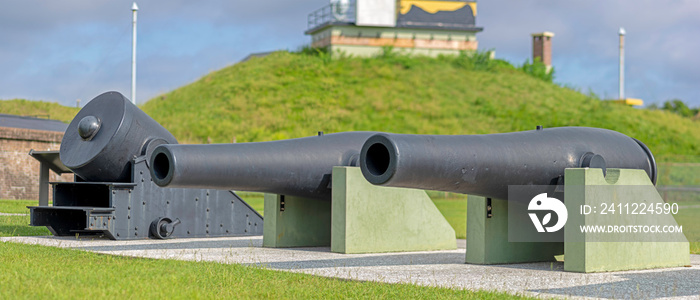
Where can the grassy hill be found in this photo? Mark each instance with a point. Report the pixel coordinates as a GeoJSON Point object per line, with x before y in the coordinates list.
{"type": "Point", "coordinates": [289, 95]}
{"type": "Point", "coordinates": [41, 109]}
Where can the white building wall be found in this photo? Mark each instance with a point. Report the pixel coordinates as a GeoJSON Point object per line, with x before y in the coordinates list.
{"type": "Point", "coordinates": [380, 13]}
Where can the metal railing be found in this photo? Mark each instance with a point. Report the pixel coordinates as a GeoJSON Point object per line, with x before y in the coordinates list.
{"type": "Point", "coordinates": [342, 11]}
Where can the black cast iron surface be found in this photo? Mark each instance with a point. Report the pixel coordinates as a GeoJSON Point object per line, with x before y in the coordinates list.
{"type": "Point", "coordinates": [107, 146]}
{"type": "Point", "coordinates": [120, 134]}
{"type": "Point", "coordinates": [297, 167]}
{"type": "Point", "coordinates": [486, 164]}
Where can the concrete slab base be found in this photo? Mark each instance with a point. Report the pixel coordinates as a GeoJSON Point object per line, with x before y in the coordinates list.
{"type": "Point", "coordinates": [436, 268]}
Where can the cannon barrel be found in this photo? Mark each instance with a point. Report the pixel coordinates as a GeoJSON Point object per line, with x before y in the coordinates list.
{"type": "Point", "coordinates": [297, 167]}
{"type": "Point", "coordinates": [486, 165]}
{"type": "Point", "coordinates": [103, 138]}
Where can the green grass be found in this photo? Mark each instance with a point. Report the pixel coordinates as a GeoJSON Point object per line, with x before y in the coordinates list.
{"type": "Point", "coordinates": [454, 208]}
{"type": "Point", "coordinates": [31, 272]}
{"type": "Point", "coordinates": [255, 200]}
{"type": "Point", "coordinates": [689, 217]}
{"type": "Point", "coordinates": [17, 206]}
{"type": "Point", "coordinates": [678, 174]}
{"type": "Point", "coordinates": [288, 95]}
{"type": "Point", "coordinates": [41, 109]}
{"type": "Point", "coordinates": [19, 226]}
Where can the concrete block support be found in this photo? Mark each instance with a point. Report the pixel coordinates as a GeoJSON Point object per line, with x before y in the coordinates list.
{"type": "Point", "coordinates": [487, 236]}
{"type": "Point", "coordinates": [296, 222]}
{"type": "Point", "coordinates": [370, 219]}
{"type": "Point", "coordinates": [587, 252]}
{"type": "Point", "coordinates": [360, 218]}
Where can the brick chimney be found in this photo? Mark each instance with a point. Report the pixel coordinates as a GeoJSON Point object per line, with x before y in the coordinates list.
{"type": "Point", "coordinates": [542, 48]}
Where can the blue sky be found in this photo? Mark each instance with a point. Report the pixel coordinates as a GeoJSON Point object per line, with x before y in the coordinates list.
{"type": "Point", "coordinates": [66, 50]}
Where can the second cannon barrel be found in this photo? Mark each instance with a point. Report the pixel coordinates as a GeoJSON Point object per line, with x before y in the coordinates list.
{"type": "Point", "coordinates": [297, 167]}
{"type": "Point", "coordinates": [486, 165]}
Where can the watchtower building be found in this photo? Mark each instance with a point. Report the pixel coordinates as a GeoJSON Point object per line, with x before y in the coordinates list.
{"type": "Point", "coordinates": [365, 27]}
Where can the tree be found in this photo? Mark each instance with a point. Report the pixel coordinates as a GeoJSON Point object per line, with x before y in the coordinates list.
{"type": "Point", "coordinates": [677, 106]}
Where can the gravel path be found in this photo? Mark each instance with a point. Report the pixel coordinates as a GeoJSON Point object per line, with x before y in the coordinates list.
{"type": "Point", "coordinates": [435, 268]}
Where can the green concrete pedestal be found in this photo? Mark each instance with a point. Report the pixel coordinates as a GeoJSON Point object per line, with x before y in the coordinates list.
{"type": "Point", "coordinates": [360, 218]}
{"type": "Point", "coordinates": [296, 222]}
{"type": "Point", "coordinates": [487, 237]}
{"type": "Point", "coordinates": [589, 252]}
{"type": "Point", "coordinates": [487, 230]}
{"type": "Point", "coordinates": [369, 219]}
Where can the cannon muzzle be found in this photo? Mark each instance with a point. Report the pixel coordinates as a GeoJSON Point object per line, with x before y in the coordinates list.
{"type": "Point", "coordinates": [297, 167]}
{"type": "Point", "coordinates": [486, 165]}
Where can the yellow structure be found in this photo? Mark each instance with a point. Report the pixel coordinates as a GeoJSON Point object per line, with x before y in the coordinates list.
{"type": "Point", "coordinates": [629, 101]}
{"type": "Point", "coordinates": [434, 6]}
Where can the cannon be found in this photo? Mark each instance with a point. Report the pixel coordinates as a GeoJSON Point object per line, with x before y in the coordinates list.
{"type": "Point", "coordinates": [485, 165]}
{"type": "Point", "coordinates": [520, 206]}
{"type": "Point", "coordinates": [107, 145]}
{"type": "Point", "coordinates": [104, 137]}
{"type": "Point", "coordinates": [297, 167]}
{"type": "Point", "coordinates": [314, 192]}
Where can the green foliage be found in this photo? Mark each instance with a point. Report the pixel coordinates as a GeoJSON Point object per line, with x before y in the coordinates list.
{"type": "Point", "coordinates": [538, 69]}
{"type": "Point", "coordinates": [321, 53]}
{"type": "Point", "coordinates": [312, 51]}
{"type": "Point", "coordinates": [289, 95]}
{"type": "Point", "coordinates": [678, 107]}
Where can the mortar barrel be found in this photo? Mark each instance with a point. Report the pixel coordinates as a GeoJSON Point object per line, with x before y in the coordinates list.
{"type": "Point", "coordinates": [106, 135]}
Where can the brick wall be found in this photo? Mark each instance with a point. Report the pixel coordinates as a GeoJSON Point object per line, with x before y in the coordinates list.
{"type": "Point", "coordinates": [542, 48]}
{"type": "Point", "coordinates": [19, 172]}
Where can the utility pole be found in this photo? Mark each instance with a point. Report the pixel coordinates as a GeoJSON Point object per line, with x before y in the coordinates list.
{"type": "Point", "coordinates": [134, 10]}
{"type": "Point", "coordinates": [622, 63]}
